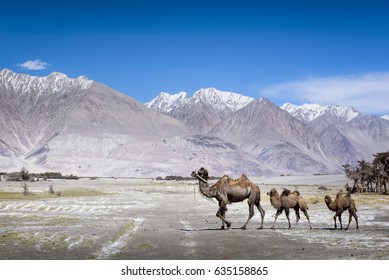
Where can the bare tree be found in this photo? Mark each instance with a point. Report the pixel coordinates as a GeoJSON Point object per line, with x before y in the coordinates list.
{"type": "Point", "coordinates": [24, 174]}
{"type": "Point", "coordinates": [26, 191]}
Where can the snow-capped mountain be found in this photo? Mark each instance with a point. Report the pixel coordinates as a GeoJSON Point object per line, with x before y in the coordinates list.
{"type": "Point", "coordinates": [79, 126]}
{"type": "Point", "coordinates": [386, 117]}
{"type": "Point", "coordinates": [276, 137]}
{"type": "Point", "coordinates": [165, 102]}
{"type": "Point", "coordinates": [82, 127]}
{"type": "Point", "coordinates": [350, 134]}
{"type": "Point", "coordinates": [220, 101]}
{"type": "Point", "coordinates": [322, 140]}
{"type": "Point", "coordinates": [309, 112]}
{"type": "Point", "coordinates": [202, 111]}
{"type": "Point", "coordinates": [55, 83]}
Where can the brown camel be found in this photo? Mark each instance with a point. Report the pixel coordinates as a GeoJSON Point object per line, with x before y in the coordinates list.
{"type": "Point", "coordinates": [340, 204]}
{"type": "Point", "coordinates": [286, 201]}
{"type": "Point", "coordinates": [226, 191]}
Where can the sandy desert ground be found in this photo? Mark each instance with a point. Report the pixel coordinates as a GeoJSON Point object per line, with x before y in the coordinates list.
{"type": "Point", "coordinates": [145, 219]}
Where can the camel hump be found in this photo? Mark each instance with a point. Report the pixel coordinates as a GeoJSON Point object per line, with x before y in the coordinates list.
{"type": "Point", "coordinates": [243, 178]}
{"type": "Point", "coordinates": [296, 192]}
{"type": "Point", "coordinates": [285, 192]}
{"type": "Point", "coordinates": [339, 195]}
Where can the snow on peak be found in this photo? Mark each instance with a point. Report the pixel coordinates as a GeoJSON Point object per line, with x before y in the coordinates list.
{"type": "Point", "coordinates": [58, 75]}
{"type": "Point", "coordinates": [309, 112]}
{"type": "Point", "coordinates": [386, 117]}
{"type": "Point", "coordinates": [220, 100]}
{"type": "Point", "coordinates": [166, 102]}
{"type": "Point", "coordinates": [53, 83]}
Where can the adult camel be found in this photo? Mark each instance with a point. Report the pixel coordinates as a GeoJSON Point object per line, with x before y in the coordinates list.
{"type": "Point", "coordinates": [227, 190]}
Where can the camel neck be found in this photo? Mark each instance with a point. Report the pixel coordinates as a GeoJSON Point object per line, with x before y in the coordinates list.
{"type": "Point", "coordinates": [201, 179]}
{"type": "Point", "coordinates": [275, 201]}
{"type": "Point", "coordinates": [204, 188]}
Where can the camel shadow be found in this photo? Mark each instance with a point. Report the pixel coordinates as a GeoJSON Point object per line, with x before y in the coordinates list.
{"type": "Point", "coordinates": [194, 230]}
{"type": "Point", "coordinates": [313, 228]}
{"type": "Point", "coordinates": [270, 229]}
{"type": "Point", "coordinates": [214, 229]}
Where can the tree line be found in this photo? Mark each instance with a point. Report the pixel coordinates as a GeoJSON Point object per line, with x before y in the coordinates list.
{"type": "Point", "coordinates": [25, 175]}
{"type": "Point", "coordinates": [369, 176]}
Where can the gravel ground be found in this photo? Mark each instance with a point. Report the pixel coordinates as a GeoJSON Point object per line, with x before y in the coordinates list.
{"type": "Point", "coordinates": [145, 219]}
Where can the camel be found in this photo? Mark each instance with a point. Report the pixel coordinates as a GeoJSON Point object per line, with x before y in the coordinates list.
{"type": "Point", "coordinates": [227, 190]}
{"type": "Point", "coordinates": [340, 204]}
{"type": "Point", "coordinates": [286, 201]}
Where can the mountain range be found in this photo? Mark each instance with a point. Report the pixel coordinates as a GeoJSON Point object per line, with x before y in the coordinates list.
{"type": "Point", "coordinates": [82, 127]}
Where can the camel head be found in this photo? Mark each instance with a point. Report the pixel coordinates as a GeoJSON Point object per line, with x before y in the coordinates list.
{"type": "Point", "coordinates": [201, 173]}
{"type": "Point", "coordinates": [273, 192]}
{"type": "Point", "coordinates": [327, 199]}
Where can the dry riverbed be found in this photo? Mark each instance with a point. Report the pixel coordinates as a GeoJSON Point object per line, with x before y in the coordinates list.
{"type": "Point", "coordinates": [146, 219]}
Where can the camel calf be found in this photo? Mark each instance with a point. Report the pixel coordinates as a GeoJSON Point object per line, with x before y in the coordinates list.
{"type": "Point", "coordinates": [340, 204]}
{"type": "Point", "coordinates": [288, 200]}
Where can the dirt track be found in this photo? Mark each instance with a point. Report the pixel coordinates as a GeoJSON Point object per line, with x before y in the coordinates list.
{"type": "Point", "coordinates": [146, 219]}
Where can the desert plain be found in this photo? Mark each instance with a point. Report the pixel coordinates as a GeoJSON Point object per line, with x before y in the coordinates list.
{"type": "Point", "coordinates": [146, 219]}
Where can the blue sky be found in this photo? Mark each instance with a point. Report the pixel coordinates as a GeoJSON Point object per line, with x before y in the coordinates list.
{"type": "Point", "coordinates": [287, 51]}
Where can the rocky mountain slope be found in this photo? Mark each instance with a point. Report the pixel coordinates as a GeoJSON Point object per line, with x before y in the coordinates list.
{"type": "Point", "coordinates": [308, 138]}
{"type": "Point", "coordinates": [276, 137]}
{"type": "Point", "coordinates": [78, 126]}
{"type": "Point", "coordinates": [201, 112]}
{"type": "Point", "coordinates": [350, 134]}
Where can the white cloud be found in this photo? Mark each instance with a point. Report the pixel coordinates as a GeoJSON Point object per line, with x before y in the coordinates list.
{"type": "Point", "coordinates": [34, 65]}
{"type": "Point", "coordinates": [367, 93]}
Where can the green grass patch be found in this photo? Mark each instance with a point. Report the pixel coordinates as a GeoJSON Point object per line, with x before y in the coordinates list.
{"type": "Point", "coordinates": [59, 243]}
{"type": "Point", "coordinates": [36, 196]}
{"type": "Point", "coordinates": [81, 192]}
{"type": "Point", "coordinates": [21, 196]}
{"type": "Point", "coordinates": [145, 246]}
{"type": "Point", "coordinates": [12, 237]}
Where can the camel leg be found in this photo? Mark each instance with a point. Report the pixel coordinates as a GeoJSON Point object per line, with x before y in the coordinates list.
{"type": "Point", "coordinates": [352, 214]}
{"type": "Point", "coordinates": [339, 214]}
{"type": "Point", "coordinates": [356, 218]}
{"type": "Point", "coordinates": [251, 214]}
{"type": "Point", "coordinates": [260, 209]}
{"type": "Point", "coordinates": [307, 216]}
{"type": "Point", "coordinates": [221, 213]}
{"type": "Point", "coordinates": [297, 210]}
{"type": "Point", "coordinates": [287, 217]}
{"type": "Point", "coordinates": [350, 217]}
{"type": "Point", "coordinates": [276, 216]}
{"type": "Point", "coordinates": [335, 216]}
